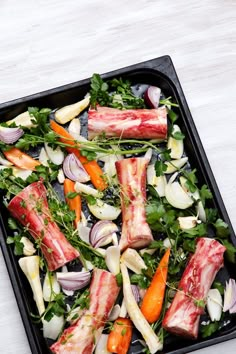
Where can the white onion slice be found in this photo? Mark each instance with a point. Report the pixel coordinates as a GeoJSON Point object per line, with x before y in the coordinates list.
{"type": "Point", "coordinates": [102, 232]}
{"type": "Point", "coordinates": [74, 169]}
{"type": "Point", "coordinates": [10, 135]}
{"type": "Point", "coordinates": [74, 128]}
{"type": "Point", "coordinates": [112, 259]}
{"type": "Point", "coordinates": [24, 119]}
{"type": "Point", "coordinates": [5, 162]}
{"type": "Point", "coordinates": [43, 157]}
{"type": "Point", "coordinates": [104, 211]}
{"type": "Point", "coordinates": [51, 287]}
{"type": "Point", "coordinates": [176, 146]}
{"type": "Point", "coordinates": [214, 304]}
{"type": "Point", "coordinates": [174, 165]}
{"type": "Point", "coordinates": [55, 155]}
{"type": "Point", "coordinates": [53, 328]}
{"type": "Point", "coordinates": [115, 313]}
{"type": "Point", "coordinates": [159, 183]}
{"type": "Point", "coordinates": [73, 280]}
{"type": "Point", "coordinates": [84, 188]}
{"type": "Point", "coordinates": [84, 232]}
{"type": "Point", "coordinates": [19, 172]}
{"type": "Point", "coordinates": [176, 196]}
{"type": "Point", "coordinates": [148, 155]}
{"type": "Point", "coordinates": [101, 347]}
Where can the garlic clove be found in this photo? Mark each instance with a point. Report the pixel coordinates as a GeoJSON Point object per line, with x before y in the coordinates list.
{"type": "Point", "coordinates": [28, 249]}
{"type": "Point", "coordinates": [187, 222]}
{"type": "Point", "coordinates": [43, 157]}
{"type": "Point", "coordinates": [61, 176]}
{"type": "Point", "coordinates": [74, 128]}
{"type": "Point", "coordinates": [176, 195]}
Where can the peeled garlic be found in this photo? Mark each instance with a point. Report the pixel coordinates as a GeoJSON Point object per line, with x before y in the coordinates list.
{"type": "Point", "coordinates": [187, 222]}
{"type": "Point", "coordinates": [43, 157]}
{"type": "Point", "coordinates": [175, 165]}
{"type": "Point", "coordinates": [61, 176]}
{"type": "Point", "coordinates": [67, 113]}
{"type": "Point", "coordinates": [74, 128]}
{"type": "Point", "coordinates": [176, 146]}
{"type": "Point", "coordinates": [28, 249]}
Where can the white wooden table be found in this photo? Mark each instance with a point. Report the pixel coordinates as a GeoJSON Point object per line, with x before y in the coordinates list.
{"type": "Point", "coordinates": [47, 43]}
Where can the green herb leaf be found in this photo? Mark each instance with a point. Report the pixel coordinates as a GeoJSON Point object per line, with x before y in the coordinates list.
{"type": "Point", "coordinates": [141, 280]}
{"type": "Point", "coordinates": [119, 279]}
{"type": "Point", "coordinates": [160, 168]}
{"type": "Point", "coordinates": [178, 135]}
{"type": "Point", "coordinates": [222, 229]}
{"type": "Point", "coordinates": [205, 193]}
{"type": "Point", "coordinates": [209, 329]}
{"type": "Point", "coordinates": [219, 286]}
{"type": "Point", "coordinates": [71, 195]}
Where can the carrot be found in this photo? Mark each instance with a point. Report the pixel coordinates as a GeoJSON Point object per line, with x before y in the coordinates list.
{"type": "Point", "coordinates": [153, 299]}
{"type": "Point", "coordinates": [93, 169]}
{"type": "Point", "coordinates": [73, 203]}
{"type": "Point", "coordinates": [120, 336]}
{"type": "Point", "coordinates": [20, 159]}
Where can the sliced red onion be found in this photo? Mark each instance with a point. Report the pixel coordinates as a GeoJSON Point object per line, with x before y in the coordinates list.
{"type": "Point", "coordinates": [73, 280]}
{"type": "Point", "coordinates": [135, 291]}
{"type": "Point", "coordinates": [230, 295]}
{"type": "Point", "coordinates": [74, 169]}
{"type": "Point", "coordinates": [152, 96]}
{"type": "Point", "coordinates": [101, 233]}
{"type": "Point", "coordinates": [10, 135]}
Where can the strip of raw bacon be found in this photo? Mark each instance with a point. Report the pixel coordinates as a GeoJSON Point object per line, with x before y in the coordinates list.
{"type": "Point", "coordinates": [130, 123]}
{"type": "Point", "coordinates": [132, 178]}
{"type": "Point", "coordinates": [82, 337]}
{"type": "Point", "coordinates": [30, 208]}
{"type": "Point", "coordinates": [182, 318]}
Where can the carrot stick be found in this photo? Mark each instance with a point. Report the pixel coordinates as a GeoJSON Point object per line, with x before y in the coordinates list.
{"type": "Point", "coordinates": [154, 296]}
{"type": "Point", "coordinates": [73, 203]}
{"type": "Point", "coordinates": [20, 159]}
{"type": "Point", "coordinates": [93, 169]}
{"type": "Point", "coordinates": [120, 336]}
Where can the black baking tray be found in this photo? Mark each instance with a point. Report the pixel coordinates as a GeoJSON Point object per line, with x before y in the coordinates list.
{"type": "Point", "coordinates": [159, 72]}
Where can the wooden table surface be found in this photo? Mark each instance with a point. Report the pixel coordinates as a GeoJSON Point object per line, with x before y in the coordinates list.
{"type": "Point", "coordinates": [48, 43]}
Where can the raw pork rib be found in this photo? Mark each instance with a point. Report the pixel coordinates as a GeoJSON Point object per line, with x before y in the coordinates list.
{"type": "Point", "coordinates": [132, 178]}
{"type": "Point", "coordinates": [130, 123]}
{"type": "Point", "coordinates": [182, 318]}
{"type": "Point", "coordinates": [84, 334]}
{"type": "Point", "coordinates": [30, 208]}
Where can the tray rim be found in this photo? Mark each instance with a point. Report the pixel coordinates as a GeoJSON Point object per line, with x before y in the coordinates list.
{"type": "Point", "coordinates": [168, 70]}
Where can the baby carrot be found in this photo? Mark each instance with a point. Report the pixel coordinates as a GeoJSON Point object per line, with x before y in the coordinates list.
{"type": "Point", "coordinates": [20, 159]}
{"type": "Point", "coordinates": [120, 336]}
{"type": "Point", "coordinates": [154, 296]}
{"type": "Point", "coordinates": [93, 169]}
{"type": "Point", "coordinates": [73, 203]}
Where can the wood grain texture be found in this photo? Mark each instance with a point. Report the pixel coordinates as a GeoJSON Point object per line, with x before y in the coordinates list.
{"type": "Point", "coordinates": [48, 43]}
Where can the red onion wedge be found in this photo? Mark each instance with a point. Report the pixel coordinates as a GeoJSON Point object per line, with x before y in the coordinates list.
{"type": "Point", "coordinates": [74, 170]}
{"type": "Point", "coordinates": [136, 293]}
{"type": "Point", "coordinates": [10, 135]}
{"type": "Point", "coordinates": [101, 233]}
{"type": "Point", "coordinates": [73, 280]}
{"type": "Point", "coordinates": [152, 96]}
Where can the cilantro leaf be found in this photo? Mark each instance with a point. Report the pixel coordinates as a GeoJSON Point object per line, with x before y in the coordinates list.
{"type": "Point", "coordinates": [209, 329]}
{"type": "Point", "coordinates": [160, 168]}
{"type": "Point", "coordinates": [205, 193]}
{"type": "Point", "coordinates": [178, 135]}
{"type": "Point", "coordinates": [222, 229]}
